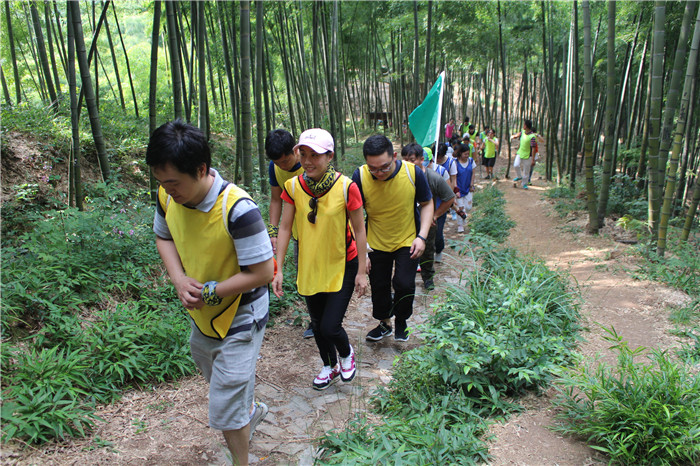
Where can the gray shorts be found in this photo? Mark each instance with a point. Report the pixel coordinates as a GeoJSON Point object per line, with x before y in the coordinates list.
{"type": "Point", "coordinates": [229, 367]}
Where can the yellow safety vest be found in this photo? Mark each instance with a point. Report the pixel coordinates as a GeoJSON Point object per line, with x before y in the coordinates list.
{"type": "Point", "coordinates": [524, 149]}
{"type": "Point", "coordinates": [322, 245]}
{"type": "Point", "coordinates": [207, 253]}
{"type": "Point", "coordinates": [490, 149]}
{"type": "Point", "coordinates": [390, 207]}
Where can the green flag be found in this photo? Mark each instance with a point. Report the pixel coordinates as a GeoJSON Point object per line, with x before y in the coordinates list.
{"type": "Point", "coordinates": [424, 121]}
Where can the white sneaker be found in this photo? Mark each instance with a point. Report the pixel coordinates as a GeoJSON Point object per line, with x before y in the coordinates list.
{"type": "Point", "coordinates": [347, 366]}
{"type": "Point", "coordinates": [326, 377]}
{"type": "Point", "coordinates": [460, 229]}
{"type": "Point", "coordinates": [438, 257]}
{"type": "Point", "coordinates": [259, 414]}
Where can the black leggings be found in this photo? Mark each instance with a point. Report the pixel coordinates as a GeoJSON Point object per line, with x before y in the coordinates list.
{"type": "Point", "coordinates": [327, 311]}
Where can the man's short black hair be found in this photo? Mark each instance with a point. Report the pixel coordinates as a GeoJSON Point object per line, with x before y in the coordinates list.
{"type": "Point", "coordinates": [377, 145]}
{"type": "Point", "coordinates": [412, 149]}
{"type": "Point", "coordinates": [279, 142]}
{"type": "Point", "coordinates": [181, 144]}
{"type": "Point", "coordinates": [528, 124]}
{"type": "Point", "coordinates": [471, 127]}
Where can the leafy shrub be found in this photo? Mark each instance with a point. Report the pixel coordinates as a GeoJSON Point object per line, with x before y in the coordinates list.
{"type": "Point", "coordinates": [505, 332]}
{"type": "Point", "coordinates": [679, 268]}
{"type": "Point", "coordinates": [47, 397]}
{"type": "Point", "coordinates": [442, 431]}
{"type": "Point", "coordinates": [69, 259]}
{"type": "Point", "coordinates": [690, 352]}
{"type": "Point", "coordinates": [67, 368]}
{"type": "Point", "coordinates": [561, 192]}
{"type": "Point", "coordinates": [625, 198]}
{"type": "Point", "coordinates": [488, 217]}
{"type": "Point", "coordinates": [636, 413]}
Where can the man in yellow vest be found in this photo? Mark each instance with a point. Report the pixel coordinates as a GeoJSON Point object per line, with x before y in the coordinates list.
{"type": "Point", "coordinates": [284, 165]}
{"type": "Point", "coordinates": [390, 191]}
{"type": "Point", "coordinates": [525, 154]}
{"type": "Point", "coordinates": [217, 252]}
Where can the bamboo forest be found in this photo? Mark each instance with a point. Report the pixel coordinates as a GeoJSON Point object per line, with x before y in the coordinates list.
{"type": "Point", "coordinates": [553, 311]}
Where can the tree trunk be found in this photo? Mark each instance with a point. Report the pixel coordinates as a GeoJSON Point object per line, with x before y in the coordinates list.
{"type": "Point", "coordinates": [245, 95]}
{"type": "Point", "coordinates": [259, 61]}
{"type": "Point", "coordinates": [672, 99]}
{"type": "Point", "coordinates": [504, 99]}
{"type": "Point", "coordinates": [203, 103]}
{"type": "Point", "coordinates": [115, 65]}
{"type": "Point", "coordinates": [671, 175]}
{"type": "Point", "coordinates": [609, 119]}
{"type": "Point", "coordinates": [587, 119]}
{"type": "Point", "coordinates": [49, 40]}
{"type": "Point", "coordinates": [126, 58]}
{"type": "Point", "coordinates": [89, 92]}
{"type": "Point", "coordinates": [13, 54]}
{"type": "Point", "coordinates": [416, 59]}
{"type": "Point", "coordinates": [153, 87]}
{"type": "Point", "coordinates": [74, 165]}
{"type": "Point", "coordinates": [43, 57]}
{"type": "Point", "coordinates": [174, 50]}
{"type": "Point", "coordinates": [656, 95]}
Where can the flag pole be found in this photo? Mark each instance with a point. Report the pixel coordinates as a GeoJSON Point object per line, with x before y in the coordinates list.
{"type": "Point", "coordinates": [439, 115]}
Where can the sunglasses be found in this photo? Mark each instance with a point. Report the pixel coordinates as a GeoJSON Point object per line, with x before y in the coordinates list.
{"type": "Point", "coordinates": [313, 203]}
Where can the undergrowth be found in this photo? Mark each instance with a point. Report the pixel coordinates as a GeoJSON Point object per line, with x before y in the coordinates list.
{"type": "Point", "coordinates": [488, 218]}
{"type": "Point", "coordinates": [502, 331]}
{"type": "Point", "coordinates": [86, 313]}
{"type": "Point", "coordinates": [636, 413]}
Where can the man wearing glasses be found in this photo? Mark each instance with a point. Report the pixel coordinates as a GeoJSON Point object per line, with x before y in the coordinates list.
{"type": "Point", "coordinates": [396, 235]}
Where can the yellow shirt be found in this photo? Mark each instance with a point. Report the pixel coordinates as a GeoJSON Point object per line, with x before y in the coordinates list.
{"type": "Point", "coordinates": [390, 207]}
{"type": "Point", "coordinates": [190, 228]}
{"type": "Point", "coordinates": [322, 247]}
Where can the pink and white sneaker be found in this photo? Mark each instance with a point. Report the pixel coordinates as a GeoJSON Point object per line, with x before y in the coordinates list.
{"type": "Point", "coordinates": [326, 377]}
{"type": "Point", "coordinates": [347, 366]}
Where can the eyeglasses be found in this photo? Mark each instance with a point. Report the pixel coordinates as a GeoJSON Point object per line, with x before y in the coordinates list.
{"type": "Point", "coordinates": [313, 203]}
{"type": "Point", "coordinates": [383, 169]}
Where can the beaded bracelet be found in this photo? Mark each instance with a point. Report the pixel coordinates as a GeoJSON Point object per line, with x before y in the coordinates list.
{"type": "Point", "coordinates": [209, 295]}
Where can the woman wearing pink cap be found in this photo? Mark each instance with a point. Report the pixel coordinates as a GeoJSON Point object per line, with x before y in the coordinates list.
{"type": "Point", "coordinates": [332, 259]}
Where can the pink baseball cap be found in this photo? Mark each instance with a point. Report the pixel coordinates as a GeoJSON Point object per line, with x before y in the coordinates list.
{"type": "Point", "coordinates": [317, 139]}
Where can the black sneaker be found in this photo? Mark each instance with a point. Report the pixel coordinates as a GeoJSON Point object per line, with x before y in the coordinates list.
{"type": "Point", "coordinates": [428, 285]}
{"type": "Point", "coordinates": [380, 331]}
{"type": "Point", "coordinates": [401, 333]}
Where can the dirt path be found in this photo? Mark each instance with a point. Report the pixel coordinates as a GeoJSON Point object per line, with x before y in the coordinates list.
{"type": "Point", "coordinates": [167, 424]}
{"type": "Point", "coordinates": [636, 309]}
